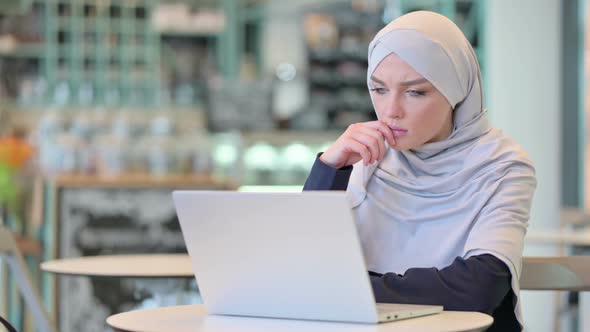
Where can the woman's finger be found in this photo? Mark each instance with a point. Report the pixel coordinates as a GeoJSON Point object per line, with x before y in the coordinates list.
{"type": "Point", "coordinates": [371, 144]}
{"type": "Point", "coordinates": [384, 129]}
{"type": "Point", "coordinates": [378, 136]}
{"type": "Point", "coordinates": [359, 148]}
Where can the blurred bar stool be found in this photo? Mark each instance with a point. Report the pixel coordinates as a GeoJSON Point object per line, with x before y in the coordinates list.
{"type": "Point", "coordinates": [9, 251]}
{"type": "Point", "coordinates": [571, 239]}
{"type": "Point", "coordinates": [143, 268]}
{"type": "Point", "coordinates": [559, 273]}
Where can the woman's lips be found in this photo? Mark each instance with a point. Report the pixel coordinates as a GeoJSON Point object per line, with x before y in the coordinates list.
{"type": "Point", "coordinates": [398, 132]}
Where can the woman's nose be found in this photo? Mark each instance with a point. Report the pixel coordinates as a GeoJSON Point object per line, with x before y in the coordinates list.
{"type": "Point", "coordinates": [394, 109]}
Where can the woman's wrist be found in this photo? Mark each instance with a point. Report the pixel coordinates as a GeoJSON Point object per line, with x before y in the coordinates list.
{"type": "Point", "coordinates": [328, 163]}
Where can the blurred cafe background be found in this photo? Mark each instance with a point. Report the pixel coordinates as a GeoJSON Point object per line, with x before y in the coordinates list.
{"type": "Point", "coordinates": [106, 106]}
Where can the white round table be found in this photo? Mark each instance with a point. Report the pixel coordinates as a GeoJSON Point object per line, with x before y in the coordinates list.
{"type": "Point", "coordinates": [121, 266]}
{"type": "Point", "coordinates": [194, 318]}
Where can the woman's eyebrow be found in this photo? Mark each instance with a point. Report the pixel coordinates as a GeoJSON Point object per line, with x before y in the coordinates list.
{"type": "Point", "coordinates": [414, 82]}
{"type": "Point", "coordinates": [406, 83]}
{"type": "Point", "coordinates": [376, 80]}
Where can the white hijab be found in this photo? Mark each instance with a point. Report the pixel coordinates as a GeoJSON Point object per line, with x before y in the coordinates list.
{"type": "Point", "coordinates": [467, 195]}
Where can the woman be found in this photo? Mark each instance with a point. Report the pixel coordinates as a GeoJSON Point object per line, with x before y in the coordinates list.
{"type": "Point", "coordinates": [441, 198]}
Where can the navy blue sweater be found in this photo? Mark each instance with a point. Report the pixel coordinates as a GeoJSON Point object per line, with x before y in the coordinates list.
{"type": "Point", "coordinates": [479, 283]}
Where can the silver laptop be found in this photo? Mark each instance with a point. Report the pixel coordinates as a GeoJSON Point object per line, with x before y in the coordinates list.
{"type": "Point", "coordinates": [282, 255]}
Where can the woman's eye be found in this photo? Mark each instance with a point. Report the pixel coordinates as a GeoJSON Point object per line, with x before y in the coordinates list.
{"type": "Point", "coordinates": [416, 93]}
{"type": "Point", "coordinates": [379, 91]}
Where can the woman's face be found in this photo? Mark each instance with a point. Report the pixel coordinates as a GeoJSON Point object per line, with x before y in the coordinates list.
{"type": "Point", "coordinates": [413, 108]}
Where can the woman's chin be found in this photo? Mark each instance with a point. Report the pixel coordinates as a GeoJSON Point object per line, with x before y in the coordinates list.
{"type": "Point", "coordinates": [401, 146]}
{"type": "Point", "coordinates": [405, 144]}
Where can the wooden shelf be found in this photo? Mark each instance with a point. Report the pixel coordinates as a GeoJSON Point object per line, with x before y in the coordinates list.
{"type": "Point", "coordinates": [337, 55]}
{"type": "Point", "coordinates": [138, 180]}
{"type": "Point", "coordinates": [189, 33]}
{"type": "Point", "coordinates": [33, 51]}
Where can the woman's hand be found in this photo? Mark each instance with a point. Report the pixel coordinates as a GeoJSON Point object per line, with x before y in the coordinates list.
{"type": "Point", "coordinates": [365, 140]}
